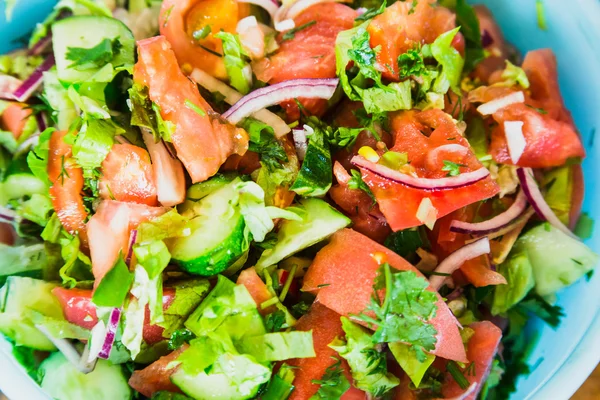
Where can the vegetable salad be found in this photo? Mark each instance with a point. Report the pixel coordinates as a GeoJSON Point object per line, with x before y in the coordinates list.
{"type": "Point", "coordinates": [242, 199]}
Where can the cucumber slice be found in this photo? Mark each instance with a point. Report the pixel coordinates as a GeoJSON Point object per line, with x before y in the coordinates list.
{"type": "Point", "coordinates": [217, 239]}
{"type": "Point", "coordinates": [18, 297]}
{"type": "Point", "coordinates": [86, 31]}
{"type": "Point", "coordinates": [198, 191]}
{"type": "Point", "coordinates": [320, 221]}
{"type": "Point", "coordinates": [63, 381]}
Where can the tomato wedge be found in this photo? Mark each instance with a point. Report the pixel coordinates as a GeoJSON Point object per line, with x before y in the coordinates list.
{"type": "Point", "coordinates": [347, 266]}
{"type": "Point", "coordinates": [326, 326]}
{"type": "Point", "coordinates": [309, 54]}
{"type": "Point", "coordinates": [157, 376]}
{"type": "Point", "coordinates": [67, 183]}
{"type": "Point", "coordinates": [179, 19]}
{"type": "Point", "coordinates": [109, 231]}
{"type": "Point", "coordinates": [127, 176]}
{"type": "Point", "coordinates": [257, 288]}
{"type": "Point", "coordinates": [427, 154]}
{"type": "Point", "coordinates": [405, 25]}
{"type": "Point", "coordinates": [78, 309]}
{"type": "Point", "coordinates": [14, 117]}
{"type": "Point", "coordinates": [481, 349]}
{"type": "Point", "coordinates": [202, 139]}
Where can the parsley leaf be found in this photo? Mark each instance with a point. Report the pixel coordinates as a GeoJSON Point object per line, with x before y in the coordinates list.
{"type": "Point", "coordinates": [405, 311]}
{"type": "Point", "coordinates": [333, 383]}
{"type": "Point", "coordinates": [372, 12]}
{"type": "Point", "coordinates": [263, 142]}
{"type": "Point", "coordinates": [356, 183]}
{"type": "Point", "coordinates": [535, 304]}
{"type": "Point", "coordinates": [289, 35]}
{"type": "Point", "coordinates": [94, 57]}
{"type": "Point", "coordinates": [363, 55]}
{"type": "Point", "coordinates": [452, 168]}
{"type": "Point", "coordinates": [411, 63]}
{"type": "Point", "coordinates": [343, 137]}
{"type": "Point", "coordinates": [179, 338]}
{"type": "Point", "coordinates": [275, 320]}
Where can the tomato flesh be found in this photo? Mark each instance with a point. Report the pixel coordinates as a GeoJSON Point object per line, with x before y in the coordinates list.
{"type": "Point", "coordinates": [201, 138]}
{"type": "Point", "coordinates": [347, 266]}
{"type": "Point", "coordinates": [157, 376]}
{"type": "Point", "coordinates": [257, 289]}
{"type": "Point", "coordinates": [14, 117]}
{"type": "Point", "coordinates": [67, 183]}
{"type": "Point", "coordinates": [127, 176]}
{"type": "Point", "coordinates": [399, 203]}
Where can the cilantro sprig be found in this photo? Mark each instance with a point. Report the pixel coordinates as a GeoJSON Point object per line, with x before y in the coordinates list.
{"type": "Point", "coordinates": [452, 168]}
{"type": "Point", "coordinates": [405, 312]}
{"type": "Point", "coordinates": [357, 183]}
{"type": "Point", "coordinates": [333, 383]}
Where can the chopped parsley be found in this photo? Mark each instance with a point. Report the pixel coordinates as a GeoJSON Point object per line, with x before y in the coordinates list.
{"type": "Point", "coordinates": [413, 7]}
{"type": "Point", "coordinates": [371, 12]}
{"type": "Point", "coordinates": [289, 35]}
{"type": "Point", "coordinates": [275, 320]}
{"type": "Point", "coordinates": [202, 33]}
{"type": "Point", "coordinates": [179, 338]}
{"type": "Point", "coordinates": [452, 168]}
{"type": "Point", "coordinates": [405, 312]}
{"type": "Point", "coordinates": [357, 183]}
{"type": "Point", "coordinates": [263, 142]}
{"type": "Point", "coordinates": [411, 63]}
{"type": "Point", "coordinates": [541, 15]}
{"type": "Point", "coordinates": [333, 383]}
{"type": "Point", "coordinates": [189, 104]}
{"type": "Point", "coordinates": [454, 370]}
{"type": "Point", "coordinates": [94, 57]}
{"type": "Point", "coordinates": [168, 16]}
{"type": "Point", "coordinates": [363, 55]}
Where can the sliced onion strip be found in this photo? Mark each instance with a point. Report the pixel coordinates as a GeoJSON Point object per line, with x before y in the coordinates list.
{"type": "Point", "coordinates": [514, 139]}
{"type": "Point", "coordinates": [232, 96]}
{"type": "Point", "coordinates": [275, 94]}
{"type": "Point", "coordinates": [451, 182]}
{"type": "Point", "coordinates": [132, 240]}
{"type": "Point", "coordinates": [455, 260]}
{"type": "Point", "coordinates": [497, 104]}
{"type": "Point", "coordinates": [31, 84]}
{"type": "Point", "coordinates": [270, 6]}
{"type": "Point", "coordinates": [111, 332]}
{"type": "Point", "coordinates": [67, 348]}
{"type": "Point", "coordinates": [495, 224]}
{"type": "Point", "coordinates": [537, 201]}
{"type": "Point", "coordinates": [41, 45]}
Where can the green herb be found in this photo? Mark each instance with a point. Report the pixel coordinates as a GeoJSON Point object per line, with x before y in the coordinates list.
{"type": "Point", "coordinates": [457, 374]}
{"type": "Point", "coordinates": [235, 61]}
{"type": "Point", "coordinates": [179, 338]}
{"type": "Point", "coordinates": [405, 243]}
{"type": "Point", "coordinates": [315, 176]}
{"type": "Point", "coordinates": [202, 33]}
{"type": "Point", "coordinates": [194, 108]}
{"type": "Point", "coordinates": [466, 18]}
{"type": "Point", "coordinates": [300, 309]}
{"type": "Point", "coordinates": [275, 320]}
{"type": "Point", "coordinates": [540, 110]}
{"type": "Point", "coordinates": [263, 142]}
{"type": "Point", "coordinates": [452, 168]}
{"type": "Point", "coordinates": [94, 57]}
{"type": "Point", "coordinates": [114, 286]}
{"type": "Point", "coordinates": [413, 7]}
{"type": "Point", "coordinates": [411, 63]}
{"type": "Point", "coordinates": [585, 226]}
{"type": "Point", "coordinates": [405, 312]}
{"type": "Point", "coordinates": [541, 15]}
{"type": "Point", "coordinates": [211, 51]}
{"type": "Point", "coordinates": [356, 183]}
{"type": "Point", "coordinates": [589, 275]}
{"type": "Point", "coordinates": [372, 12]}
{"type": "Point", "coordinates": [535, 304]}
{"type": "Point", "coordinates": [363, 55]}
{"type": "Point", "coordinates": [280, 387]}
{"type": "Point", "coordinates": [289, 35]}
{"type": "Point", "coordinates": [333, 383]}
{"type": "Point", "coordinates": [322, 285]}
{"type": "Point", "coordinates": [168, 16]}
{"type": "Point", "coordinates": [27, 358]}
{"type": "Point", "coordinates": [344, 137]}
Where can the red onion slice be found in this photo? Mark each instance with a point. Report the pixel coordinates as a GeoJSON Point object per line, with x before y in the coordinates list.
{"type": "Point", "coordinates": [7, 215]}
{"type": "Point", "coordinates": [536, 199]}
{"type": "Point", "coordinates": [41, 45]}
{"type": "Point", "coordinates": [275, 94]}
{"type": "Point", "coordinates": [451, 182]}
{"type": "Point", "coordinates": [8, 84]}
{"type": "Point", "coordinates": [132, 239]}
{"type": "Point", "coordinates": [455, 260]}
{"type": "Point", "coordinates": [495, 224]}
{"type": "Point", "coordinates": [24, 92]}
{"type": "Point", "coordinates": [111, 331]}
{"type": "Point", "coordinates": [68, 350]}
{"type": "Point", "coordinates": [270, 6]}
{"type": "Point", "coordinates": [300, 142]}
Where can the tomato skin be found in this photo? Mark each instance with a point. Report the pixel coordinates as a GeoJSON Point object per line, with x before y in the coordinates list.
{"type": "Point", "coordinates": [180, 18]}
{"type": "Point", "coordinates": [399, 203]}
{"type": "Point", "coordinates": [309, 54]}
{"type": "Point", "coordinates": [402, 27]}
{"type": "Point", "coordinates": [79, 310]}
{"type": "Point", "coordinates": [246, 164]}
{"type": "Point", "coordinates": [326, 326]}
{"type": "Point", "coordinates": [67, 183]}
{"type": "Point", "coordinates": [257, 289]}
{"type": "Point", "coordinates": [127, 176]}
{"type": "Point", "coordinates": [157, 69]}
{"type": "Point", "coordinates": [7, 234]}
{"type": "Point", "coordinates": [481, 349]}
{"type": "Point", "coordinates": [347, 265]}
{"type": "Point", "coordinates": [156, 377]}
{"type": "Point", "coordinates": [109, 231]}
{"type": "Point", "coordinates": [14, 118]}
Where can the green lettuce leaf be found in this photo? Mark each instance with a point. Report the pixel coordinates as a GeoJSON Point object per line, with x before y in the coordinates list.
{"type": "Point", "coordinates": [235, 61]}
{"type": "Point", "coordinates": [450, 60]}
{"type": "Point", "coordinates": [279, 346]}
{"type": "Point", "coordinates": [188, 296]}
{"type": "Point", "coordinates": [315, 176]}
{"type": "Point", "coordinates": [414, 368]}
{"type": "Point", "coordinates": [114, 286]}
{"type": "Point", "coordinates": [281, 385]}
{"type": "Point", "coordinates": [93, 143]}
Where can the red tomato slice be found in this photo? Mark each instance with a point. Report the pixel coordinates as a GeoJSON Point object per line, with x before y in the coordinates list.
{"type": "Point", "coordinates": [203, 142]}
{"type": "Point", "coordinates": [347, 265]}
{"type": "Point", "coordinates": [67, 183]}
{"type": "Point", "coordinates": [109, 231]}
{"type": "Point", "coordinates": [399, 203]}
{"type": "Point", "coordinates": [257, 288]}
{"type": "Point", "coordinates": [157, 376]}
{"type": "Point", "coordinates": [127, 176]}
{"type": "Point", "coordinates": [481, 349]}
{"type": "Point", "coordinates": [366, 216]}
{"type": "Point", "coordinates": [326, 326]}
{"type": "Point", "coordinates": [309, 54]}
{"type": "Point", "coordinates": [79, 310]}
{"type": "Point", "coordinates": [14, 118]}
{"type": "Point", "coordinates": [179, 19]}
{"type": "Point", "coordinates": [403, 26]}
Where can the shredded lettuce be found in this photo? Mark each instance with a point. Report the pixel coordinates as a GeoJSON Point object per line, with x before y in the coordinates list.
{"type": "Point", "coordinates": [64, 112]}
{"type": "Point", "coordinates": [114, 286]}
{"type": "Point", "coordinates": [135, 311]}
{"type": "Point", "coordinates": [315, 176]}
{"type": "Point", "coordinates": [281, 385]}
{"type": "Point", "coordinates": [236, 65]}
{"type": "Point", "coordinates": [414, 368]}
{"type": "Point", "coordinates": [146, 114]}
{"type": "Point", "coordinates": [450, 61]}
{"type": "Point", "coordinates": [278, 346]}
{"type": "Point", "coordinates": [367, 364]}
{"type": "Point", "coordinates": [559, 189]}
{"type": "Point", "coordinates": [514, 75]}
{"type": "Point", "coordinates": [22, 260]}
